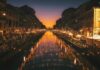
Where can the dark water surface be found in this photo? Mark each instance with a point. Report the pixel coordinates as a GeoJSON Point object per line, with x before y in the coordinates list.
{"type": "Point", "coordinates": [51, 53]}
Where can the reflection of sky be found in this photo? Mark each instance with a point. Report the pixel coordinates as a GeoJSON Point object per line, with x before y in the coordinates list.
{"type": "Point", "coordinates": [48, 11]}
{"type": "Point", "coordinates": [49, 43]}
{"type": "Point", "coordinates": [52, 50]}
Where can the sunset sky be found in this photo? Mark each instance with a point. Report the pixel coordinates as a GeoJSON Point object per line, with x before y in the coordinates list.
{"type": "Point", "coordinates": [48, 11]}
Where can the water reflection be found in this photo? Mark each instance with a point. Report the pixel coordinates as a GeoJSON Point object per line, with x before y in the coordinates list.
{"type": "Point", "coordinates": [51, 53]}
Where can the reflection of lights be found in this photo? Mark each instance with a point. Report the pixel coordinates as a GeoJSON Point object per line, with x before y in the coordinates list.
{"type": "Point", "coordinates": [71, 34]}
{"type": "Point", "coordinates": [95, 37]}
{"type": "Point", "coordinates": [14, 48]}
{"type": "Point", "coordinates": [64, 32]}
{"type": "Point", "coordinates": [33, 31]}
{"type": "Point", "coordinates": [83, 53]}
{"type": "Point", "coordinates": [78, 36]}
{"type": "Point", "coordinates": [4, 14]}
{"type": "Point", "coordinates": [75, 61]}
{"type": "Point", "coordinates": [32, 49]}
{"type": "Point", "coordinates": [65, 49]}
{"type": "Point", "coordinates": [1, 31]}
{"type": "Point", "coordinates": [17, 30]}
{"type": "Point", "coordinates": [88, 54]}
{"type": "Point", "coordinates": [81, 30]}
{"type": "Point", "coordinates": [24, 58]}
{"type": "Point", "coordinates": [27, 32]}
{"type": "Point", "coordinates": [98, 52]}
{"type": "Point", "coordinates": [19, 50]}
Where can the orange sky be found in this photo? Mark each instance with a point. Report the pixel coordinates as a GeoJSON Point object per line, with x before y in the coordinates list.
{"type": "Point", "coordinates": [48, 11]}
{"type": "Point", "coordinates": [48, 17]}
{"type": "Point", "coordinates": [49, 22]}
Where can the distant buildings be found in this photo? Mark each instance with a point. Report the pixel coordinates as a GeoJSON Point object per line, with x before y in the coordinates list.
{"type": "Point", "coordinates": [12, 17]}
{"type": "Point", "coordinates": [2, 12]}
{"type": "Point", "coordinates": [84, 19]}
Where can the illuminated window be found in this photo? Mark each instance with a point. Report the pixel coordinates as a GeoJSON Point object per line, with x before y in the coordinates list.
{"type": "Point", "coordinates": [96, 21]}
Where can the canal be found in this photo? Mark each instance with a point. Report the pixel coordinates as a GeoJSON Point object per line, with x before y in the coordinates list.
{"type": "Point", "coordinates": [52, 53]}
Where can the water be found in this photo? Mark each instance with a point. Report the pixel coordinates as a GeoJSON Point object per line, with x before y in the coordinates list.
{"type": "Point", "coordinates": [51, 53]}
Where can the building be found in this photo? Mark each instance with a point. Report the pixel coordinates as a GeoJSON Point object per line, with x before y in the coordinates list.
{"type": "Point", "coordinates": [2, 12]}
{"type": "Point", "coordinates": [96, 26]}
{"type": "Point", "coordinates": [89, 19]}
{"type": "Point", "coordinates": [29, 16]}
{"type": "Point", "coordinates": [18, 17]}
{"type": "Point", "coordinates": [85, 19]}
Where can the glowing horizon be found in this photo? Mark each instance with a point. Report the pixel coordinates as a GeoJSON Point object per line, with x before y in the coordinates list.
{"type": "Point", "coordinates": [48, 20]}
{"type": "Point", "coordinates": [48, 16]}
{"type": "Point", "coordinates": [48, 11]}
{"type": "Point", "coordinates": [49, 23]}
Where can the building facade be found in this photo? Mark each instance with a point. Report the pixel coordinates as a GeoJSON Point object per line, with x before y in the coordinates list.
{"type": "Point", "coordinates": [85, 19]}
{"type": "Point", "coordinates": [2, 12]}
{"type": "Point", "coordinates": [96, 26]}
{"type": "Point", "coordinates": [18, 17]}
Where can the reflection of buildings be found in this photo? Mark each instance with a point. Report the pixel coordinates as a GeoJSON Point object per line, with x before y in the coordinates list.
{"type": "Point", "coordinates": [12, 17]}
